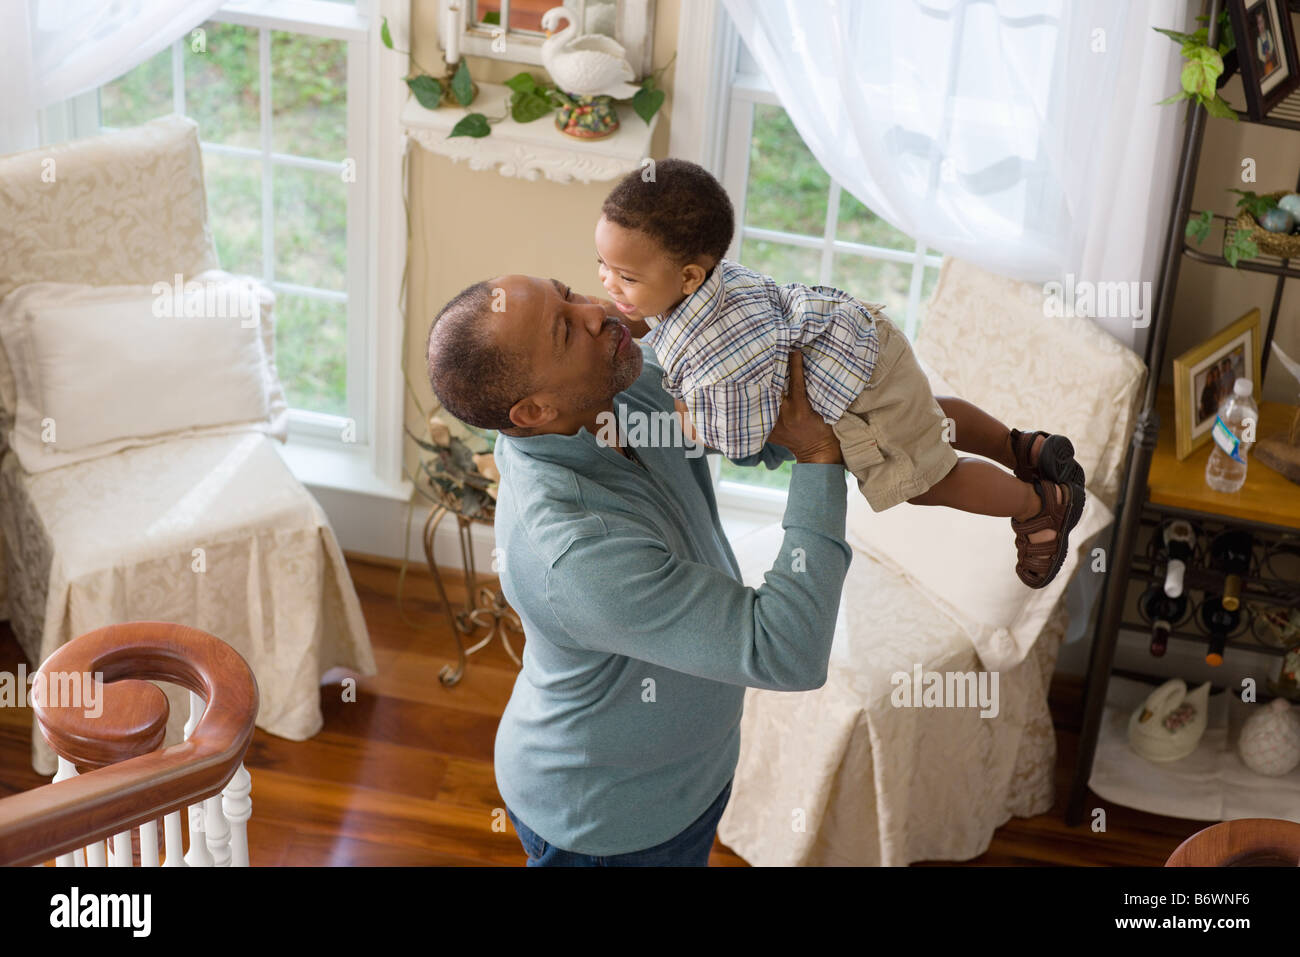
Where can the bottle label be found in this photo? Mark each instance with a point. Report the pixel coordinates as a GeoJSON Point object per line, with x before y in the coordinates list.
{"type": "Point", "coordinates": [1226, 441]}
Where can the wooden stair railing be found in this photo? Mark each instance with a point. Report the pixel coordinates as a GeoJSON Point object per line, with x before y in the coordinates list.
{"type": "Point", "coordinates": [128, 782]}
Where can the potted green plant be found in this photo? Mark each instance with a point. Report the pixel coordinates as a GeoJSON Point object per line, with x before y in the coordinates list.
{"type": "Point", "coordinates": [529, 99]}
{"type": "Point", "coordinates": [1207, 68]}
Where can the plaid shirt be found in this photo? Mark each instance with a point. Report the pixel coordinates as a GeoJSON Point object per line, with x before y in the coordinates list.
{"type": "Point", "coordinates": [725, 350]}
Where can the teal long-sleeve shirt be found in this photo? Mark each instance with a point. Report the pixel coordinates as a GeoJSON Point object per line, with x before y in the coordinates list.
{"type": "Point", "coordinates": [624, 723]}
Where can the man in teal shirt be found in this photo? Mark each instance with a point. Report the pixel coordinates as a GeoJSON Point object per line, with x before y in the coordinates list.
{"type": "Point", "coordinates": [622, 733]}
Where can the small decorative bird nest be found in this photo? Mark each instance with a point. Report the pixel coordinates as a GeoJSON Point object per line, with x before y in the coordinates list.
{"type": "Point", "coordinates": [1286, 245]}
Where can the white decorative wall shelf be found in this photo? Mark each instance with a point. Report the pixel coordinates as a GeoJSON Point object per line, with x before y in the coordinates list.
{"type": "Point", "coordinates": [530, 150]}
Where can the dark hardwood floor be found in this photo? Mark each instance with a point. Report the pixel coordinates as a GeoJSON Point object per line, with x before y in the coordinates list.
{"type": "Point", "coordinates": [404, 776]}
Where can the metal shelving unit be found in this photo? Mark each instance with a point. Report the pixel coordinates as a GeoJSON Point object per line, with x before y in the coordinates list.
{"type": "Point", "coordinates": [1131, 564]}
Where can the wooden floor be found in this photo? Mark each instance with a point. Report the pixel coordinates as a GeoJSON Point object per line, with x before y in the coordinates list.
{"type": "Point", "coordinates": [404, 776]}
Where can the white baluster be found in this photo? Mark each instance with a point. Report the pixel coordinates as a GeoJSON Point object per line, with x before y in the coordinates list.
{"type": "Point", "coordinates": [67, 770]}
{"type": "Point", "coordinates": [238, 807]}
{"type": "Point", "coordinates": [175, 840]}
{"type": "Point", "coordinates": [95, 855]}
{"type": "Point", "coordinates": [149, 844]}
{"type": "Point", "coordinates": [217, 831]}
{"type": "Point", "coordinates": [197, 855]}
{"type": "Point", "coordinates": [121, 850]}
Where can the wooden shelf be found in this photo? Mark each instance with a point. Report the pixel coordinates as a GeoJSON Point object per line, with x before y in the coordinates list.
{"type": "Point", "coordinates": [1266, 497]}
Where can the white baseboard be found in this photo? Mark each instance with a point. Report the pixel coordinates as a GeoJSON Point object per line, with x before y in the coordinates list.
{"type": "Point", "coordinates": [376, 525]}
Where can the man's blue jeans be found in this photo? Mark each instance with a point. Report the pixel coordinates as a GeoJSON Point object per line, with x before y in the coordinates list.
{"type": "Point", "coordinates": [688, 849]}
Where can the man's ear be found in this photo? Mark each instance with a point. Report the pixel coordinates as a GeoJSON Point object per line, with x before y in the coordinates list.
{"type": "Point", "coordinates": [693, 276]}
{"type": "Point", "coordinates": [530, 413]}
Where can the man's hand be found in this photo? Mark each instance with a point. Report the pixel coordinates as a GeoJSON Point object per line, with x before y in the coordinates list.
{"type": "Point", "coordinates": [798, 426]}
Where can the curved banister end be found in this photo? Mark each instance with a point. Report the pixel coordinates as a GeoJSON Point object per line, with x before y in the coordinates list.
{"type": "Point", "coordinates": [131, 717]}
{"type": "Point", "coordinates": [94, 724]}
{"type": "Point", "coordinates": [60, 817]}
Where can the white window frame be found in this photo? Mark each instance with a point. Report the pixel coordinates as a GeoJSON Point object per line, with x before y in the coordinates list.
{"type": "Point", "coordinates": [376, 243]}
{"type": "Point", "coordinates": [713, 116]}
{"type": "Point", "coordinates": [336, 22]}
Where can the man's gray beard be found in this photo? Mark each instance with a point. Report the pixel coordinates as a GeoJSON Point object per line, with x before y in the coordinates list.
{"type": "Point", "coordinates": [624, 374]}
{"type": "Point", "coordinates": [629, 370]}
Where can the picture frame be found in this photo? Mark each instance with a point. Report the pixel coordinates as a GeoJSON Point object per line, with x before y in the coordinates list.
{"type": "Point", "coordinates": [1266, 53]}
{"type": "Point", "coordinates": [1203, 377]}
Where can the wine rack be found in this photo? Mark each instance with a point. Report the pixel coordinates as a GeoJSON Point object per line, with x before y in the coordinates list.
{"type": "Point", "coordinates": [1271, 580]}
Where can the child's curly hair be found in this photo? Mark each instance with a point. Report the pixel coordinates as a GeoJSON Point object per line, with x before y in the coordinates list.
{"type": "Point", "coordinates": [679, 204]}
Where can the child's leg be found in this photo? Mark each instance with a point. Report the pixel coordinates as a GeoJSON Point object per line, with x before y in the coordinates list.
{"type": "Point", "coordinates": [977, 432]}
{"type": "Point", "coordinates": [985, 489]}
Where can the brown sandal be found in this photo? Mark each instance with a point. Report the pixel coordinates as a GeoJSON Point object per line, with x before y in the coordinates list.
{"type": "Point", "coordinates": [1038, 562]}
{"type": "Point", "coordinates": [1055, 461]}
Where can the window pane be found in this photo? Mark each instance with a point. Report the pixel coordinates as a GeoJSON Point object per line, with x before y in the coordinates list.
{"type": "Point", "coordinates": [759, 475]}
{"type": "Point", "coordinates": [139, 95]}
{"type": "Point", "coordinates": [787, 189]}
{"type": "Point", "coordinates": [310, 228]}
{"type": "Point", "coordinates": [857, 224]}
{"type": "Point", "coordinates": [311, 352]}
{"type": "Point", "coordinates": [309, 106]}
{"type": "Point", "coordinates": [234, 188]}
{"type": "Point", "coordinates": [525, 15]}
{"type": "Point", "coordinates": [873, 280]}
{"type": "Point", "coordinates": [222, 84]}
{"type": "Point", "coordinates": [927, 289]}
{"type": "Point", "coordinates": [782, 262]}
{"type": "Point", "coordinates": [485, 11]}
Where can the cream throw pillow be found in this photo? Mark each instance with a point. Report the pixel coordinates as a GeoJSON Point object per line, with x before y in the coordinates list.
{"type": "Point", "coordinates": [102, 368]}
{"type": "Point", "coordinates": [965, 564]}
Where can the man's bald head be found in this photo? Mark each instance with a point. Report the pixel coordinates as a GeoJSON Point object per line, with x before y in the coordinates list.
{"type": "Point", "coordinates": [474, 376]}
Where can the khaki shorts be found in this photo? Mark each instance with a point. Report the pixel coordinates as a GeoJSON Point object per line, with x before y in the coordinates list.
{"type": "Point", "coordinates": [892, 436]}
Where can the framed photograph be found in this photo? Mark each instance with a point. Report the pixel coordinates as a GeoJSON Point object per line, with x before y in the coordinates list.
{"type": "Point", "coordinates": [1203, 378]}
{"type": "Point", "coordinates": [1266, 52]}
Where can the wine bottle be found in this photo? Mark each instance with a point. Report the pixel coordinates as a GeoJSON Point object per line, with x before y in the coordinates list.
{"type": "Point", "coordinates": [1230, 554]}
{"type": "Point", "coordinates": [1162, 612]}
{"type": "Point", "coordinates": [1178, 541]}
{"type": "Point", "coordinates": [1220, 621]}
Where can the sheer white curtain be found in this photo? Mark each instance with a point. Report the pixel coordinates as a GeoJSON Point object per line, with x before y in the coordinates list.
{"type": "Point", "coordinates": [54, 49]}
{"type": "Point", "coordinates": [1001, 132]}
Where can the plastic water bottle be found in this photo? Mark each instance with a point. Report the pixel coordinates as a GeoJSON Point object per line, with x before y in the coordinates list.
{"type": "Point", "coordinates": [1233, 434]}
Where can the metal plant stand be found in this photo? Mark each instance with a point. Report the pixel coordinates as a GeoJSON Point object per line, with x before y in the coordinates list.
{"type": "Point", "coordinates": [485, 607]}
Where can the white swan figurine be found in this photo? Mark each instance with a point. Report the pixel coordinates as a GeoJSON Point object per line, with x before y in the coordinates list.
{"type": "Point", "coordinates": [1169, 724]}
{"type": "Point", "coordinates": [587, 65]}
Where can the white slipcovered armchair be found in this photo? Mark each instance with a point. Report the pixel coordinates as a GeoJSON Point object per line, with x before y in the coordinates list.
{"type": "Point", "coordinates": [843, 775]}
{"type": "Point", "coordinates": [201, 524]}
